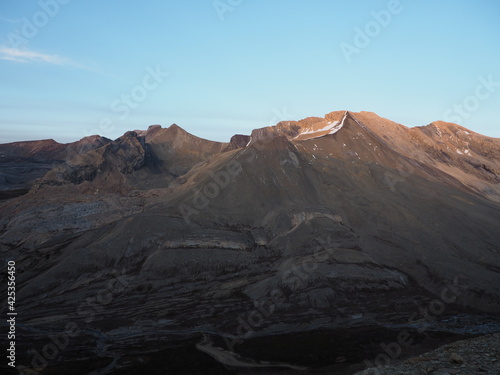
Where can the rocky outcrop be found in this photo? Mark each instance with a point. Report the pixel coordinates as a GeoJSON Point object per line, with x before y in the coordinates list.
{"type": "Point", "coordinates": [24, 162]}
{"type": "Point", "coordinates": [109, 162]}
{"type": "Point", "coordinates": [238, 141]}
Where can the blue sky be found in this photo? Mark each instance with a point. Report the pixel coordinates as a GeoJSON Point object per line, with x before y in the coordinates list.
{"type": "Point", "coordinates": [70, 68]}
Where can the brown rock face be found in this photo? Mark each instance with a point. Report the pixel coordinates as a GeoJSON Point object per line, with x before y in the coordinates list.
{"type": "Point", "coordinates": [21, 163]}
{"type": "Point", "coordinates": [349, 226]}
{"type": "Point", "coordinates": [238, 141]}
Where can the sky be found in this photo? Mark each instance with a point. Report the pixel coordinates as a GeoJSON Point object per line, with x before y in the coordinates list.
{"type": "Point", "coordinates": [72, 68]}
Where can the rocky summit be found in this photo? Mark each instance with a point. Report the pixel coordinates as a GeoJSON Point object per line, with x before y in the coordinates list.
{"type": "Point", "coordinates": [327, 245]}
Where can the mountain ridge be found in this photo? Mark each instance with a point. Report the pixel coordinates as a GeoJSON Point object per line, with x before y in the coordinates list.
{"type": "Point", "coordinates": [333, 223]}
{"type": "Point", "coordinates": [327, 116]}
{"type": "Point", "coordinates": [459, 156]}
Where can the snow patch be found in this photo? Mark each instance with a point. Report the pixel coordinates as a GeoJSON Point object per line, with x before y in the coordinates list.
{"type": "Point", "coordinates": [438, 131]}
{"type": "Point", "coordinates": [331, 127]}
{"type": "Point", "coordinates": [335, 128]}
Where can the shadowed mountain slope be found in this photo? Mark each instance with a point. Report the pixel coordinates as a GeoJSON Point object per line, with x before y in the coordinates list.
{"type": "Point", "coordinates": [331, 223]}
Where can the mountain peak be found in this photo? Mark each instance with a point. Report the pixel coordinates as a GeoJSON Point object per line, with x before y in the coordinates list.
{"type": "Point", "coordinates": [177, 128]}
{"type": "Point", "coordinates": [317, 127]}
{"type": "Point", "coordinates": [239, 141]}
{"type": "Point", "coordinates": [307, 128]}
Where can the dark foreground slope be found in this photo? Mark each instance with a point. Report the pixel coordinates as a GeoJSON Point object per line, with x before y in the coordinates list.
{"type": "Point", "coordinates": [307, 244]}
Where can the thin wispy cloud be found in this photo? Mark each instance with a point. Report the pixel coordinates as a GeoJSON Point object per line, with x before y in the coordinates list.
{"type": "Point", "coordinates": [24, 55]}
{"type": "Point", "coordinates": [29, 56]}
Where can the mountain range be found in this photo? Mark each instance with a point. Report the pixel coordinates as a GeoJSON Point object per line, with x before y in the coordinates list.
{"type": "Point", "coordinates": [284, 248]}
